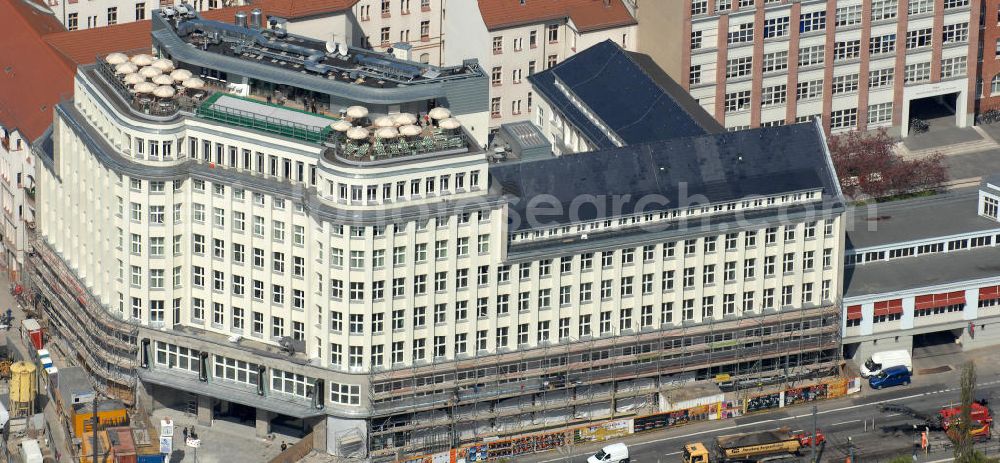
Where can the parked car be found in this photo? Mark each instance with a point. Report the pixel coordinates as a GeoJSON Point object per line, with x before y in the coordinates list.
{"type": "Point", "coordinates": [892, 376]}
{"type": "Point", "coordinates": [885, 359]}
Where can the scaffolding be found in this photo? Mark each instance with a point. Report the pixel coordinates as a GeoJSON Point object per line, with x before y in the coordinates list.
{"type": "Point", "coordinates": [431, 408]}
{"type": "Point", "coordinates": [106, 346]}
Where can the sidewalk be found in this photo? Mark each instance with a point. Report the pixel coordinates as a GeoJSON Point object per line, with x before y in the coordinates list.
{"type": "Point", "coordinates": [58, 438]}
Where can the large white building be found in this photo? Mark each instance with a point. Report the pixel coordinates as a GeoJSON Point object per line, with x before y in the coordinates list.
{"type": "Point", "coordinates": [409, 296]}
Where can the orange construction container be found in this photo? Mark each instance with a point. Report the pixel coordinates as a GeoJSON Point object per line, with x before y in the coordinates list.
{"type": "Point", "coordinates": [109, 413]}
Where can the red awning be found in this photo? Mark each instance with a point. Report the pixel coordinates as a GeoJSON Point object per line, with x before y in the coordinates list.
{"type": "Point", "coordinates": [854, 312]}
{"type": "Point", "coordinates": [930, 301]}
{"type": "Point", "coordinates": [890, 307]}
{"type": "Point", "coordinates": [989, 292]}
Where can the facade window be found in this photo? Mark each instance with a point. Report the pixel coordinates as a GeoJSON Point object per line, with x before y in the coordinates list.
{"type": "Point", "coordinates": [920, 6]}
{"type": "Point", "coordinates": [739, 67]}
{"type": "Point", "coordinates": [882, 44]}
{"type": "Point", "coordinates": [955, 33]}
{"type": "Point", "coordinates": [809, 89]}
{"type": "Point", "coordinates": [845, 118]}
{"type": "Point", "coordinates": [955, 3]}
{"type": "Point", "coordinates": [699, 7]}
{"type": "Point", "coordinates": [774, 95]}
{"type": "Point", "coordinates": [917, 72]}
{"type": "Point", "coordinates": [846, 50]}
{"type": "Point", "coordinates": [878, 113]}
{"type": "Point", "coordinates": [918, 38]}
{"type": "Point", "coordinates": [776, 27]}
{"type": "Point", "coordinates": [776, 61]}
{"type": "Point", "coordinates": [140, 13]}
{"type": "Point", "coordinates": [848, 15]}
{"type": "Point", "coordinates": [810, 56]}
{"type": "Point", "coordinates": [73, 22]}
{"type": "Point", "coordinates": [291, 383]}
{"type": "Point", "coordinates": [112, 15]}
{"type": "Point", "coordinates": [740, 33]}
{"type": "Point", "coordinates": [845, 84]}
{"type": "Point", "coordinates": [884, 9]}
{"type": "Point", "coordinates": [738, 101]}
{"type": "Point", "coordinates": [954, 67]}
{"type": "Point", "coordinates": [880, 78]}
{"type": "Point", "coordinates": [696, 37]}
{"type": "Point", "coordinates": [552, 32]}
{"type": "Point", "coordinates": [814, 21]}
{"type": "Point", "coordinates": [694, 75]}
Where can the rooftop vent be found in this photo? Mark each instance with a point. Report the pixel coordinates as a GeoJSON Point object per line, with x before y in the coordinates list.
{"type": "Point", "coordinates": [256, 18]}
{"type": "Point", "coordinates": [241, 19]}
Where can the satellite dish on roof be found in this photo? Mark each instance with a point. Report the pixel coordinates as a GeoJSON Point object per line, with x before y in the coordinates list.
{"type": "Point", "coordinates": [331, 46]}
{"type": "Point", "coordinates": [342, 49]}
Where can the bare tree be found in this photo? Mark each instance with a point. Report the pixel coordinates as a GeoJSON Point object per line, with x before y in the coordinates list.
{"type": "Point", "coordinates": [869, 167]}
{"type": "Point", "coordinates": [964, 451]}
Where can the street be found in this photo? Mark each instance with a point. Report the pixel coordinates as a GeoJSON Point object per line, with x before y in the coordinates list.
{"type": "Point", "coordinates": [875, 436]}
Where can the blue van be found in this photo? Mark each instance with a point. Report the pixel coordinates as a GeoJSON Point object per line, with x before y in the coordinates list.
{"type": "Point", "coordinates": [892, 376]}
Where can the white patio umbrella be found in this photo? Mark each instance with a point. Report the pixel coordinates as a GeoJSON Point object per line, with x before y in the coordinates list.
{"type": "Point", "coordinates": [149, 72]}
{"type": "Point", "coordinates": [163, 91]}
{"type": "Point", "coordinates": [357, 112]}
{"type": "Point", "coordinates": [142, 59]}
{"type": "Point", "coordinates": [133, 79]}
{"type": "Point", "coordinates": [180, 75]}
{"type": "Point", "coordinates": [163, 64]}
{"type": "Point", "coordinates": [404, 118]}
{"type": "Point", "coordinates": [163, 79]}
{"type": "Point", "coordinates": [126, 68]}
{"type": "Point", "coordinates": [450, 123]}
{"type": "Point", "coordinates": [386, 132]}
{"type": "Point", "coordinates": [341, 126]}
{"type": "Point", "coordinates": [357, 133]}
{"type": "Point", "coordinates": [410, 130]}
{"type": "Point", "coordinates": [144, 87]}
{"type": "Point", "coordinates": [439, 113]}
{"type": "Point", "coordinates": [384, 121]}
{"type": "Point", "coordinates": [116, 58]}
{"type": "Point", "coordinates": [193, 82]}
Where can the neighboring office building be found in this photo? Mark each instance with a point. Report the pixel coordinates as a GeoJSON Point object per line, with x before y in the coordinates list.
{"type": "Point", "coordinates": [38, 59]}
{"type": "Point", "coordinates": [88, 14]}
{"type": "Point", "coordinates": [922, 272]}
{"type": "Point", "coordinates": [989, 65]}
{"type": "Point", "coordinates": [418, 23]}
{"type": "Point", "coordinates": [400, 282]}
{"type": "Point", "coordinates": [606, 97]}
{"type": "Point", "coordinates": [514, 39]}
{"type": "Point", "coordinates": [856, 65]}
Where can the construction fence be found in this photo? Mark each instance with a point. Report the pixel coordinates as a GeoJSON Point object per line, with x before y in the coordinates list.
{"type": "Point", "coordinates": [505, 449]}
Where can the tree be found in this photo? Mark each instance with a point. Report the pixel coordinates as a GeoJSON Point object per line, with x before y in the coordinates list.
{"type": "Point", "coordinates": [964, 452]}
{"type": "Point", "coordinates": [868, 166]}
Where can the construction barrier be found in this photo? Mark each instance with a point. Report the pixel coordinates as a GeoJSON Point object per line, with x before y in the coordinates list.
{"type": "Point", "coordinates": [501, 449]}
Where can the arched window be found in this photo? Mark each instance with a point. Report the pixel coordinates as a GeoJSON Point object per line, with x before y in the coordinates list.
{"type": "Point", "coordinates": [425, 58]}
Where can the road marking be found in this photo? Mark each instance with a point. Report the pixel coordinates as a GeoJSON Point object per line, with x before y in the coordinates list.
{"type": "Point", "coordinates": [845, 422]}
{"type": "Point", "coordinates": [671, 453]}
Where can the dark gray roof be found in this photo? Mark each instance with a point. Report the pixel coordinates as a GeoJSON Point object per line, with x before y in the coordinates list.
{"type": "Point", "coordinates": [631, 96]}
{"type": "Point", "coordinates": [920, 272]}
{"type": "Point", "coordinates": [681, 171]}
{"type": "Point", "coordinates": [945, 214]}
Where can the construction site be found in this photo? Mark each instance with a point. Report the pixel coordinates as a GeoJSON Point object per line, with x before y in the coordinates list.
{"type": "Point", "coordinates": [104, 344]}
{"type": "Point", "coordinates": [433, 408]}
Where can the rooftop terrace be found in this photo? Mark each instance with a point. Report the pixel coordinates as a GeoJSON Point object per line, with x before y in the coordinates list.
{"type": "Point", "coordinates": [258, 48]}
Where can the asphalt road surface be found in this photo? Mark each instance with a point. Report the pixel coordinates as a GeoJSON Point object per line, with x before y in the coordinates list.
{"type": "Point", "coordinates": [874, 435]}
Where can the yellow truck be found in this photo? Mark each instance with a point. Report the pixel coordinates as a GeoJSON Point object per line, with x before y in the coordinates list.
{"type": "Point", "coordinates": [751, 447]}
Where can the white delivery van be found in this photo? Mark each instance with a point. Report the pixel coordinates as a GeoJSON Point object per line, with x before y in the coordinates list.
{"type": "Point", "coordinates": [882, 360]}
{"type": "Point", "coordinates": [614, 453]}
